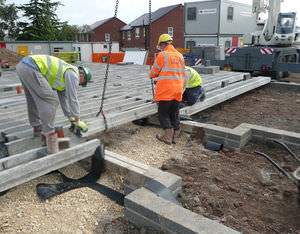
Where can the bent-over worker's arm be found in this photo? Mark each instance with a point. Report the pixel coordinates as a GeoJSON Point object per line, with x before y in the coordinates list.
{"type": "Point", "coordinates": [68, 98]}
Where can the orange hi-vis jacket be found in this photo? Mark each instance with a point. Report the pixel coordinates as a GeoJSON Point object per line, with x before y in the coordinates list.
{"type": "Point", "coordinates": [168, 67]}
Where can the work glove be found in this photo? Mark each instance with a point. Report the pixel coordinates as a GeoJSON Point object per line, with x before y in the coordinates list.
{"type": "Point", "coordinates": [72, 120]}
{"type": "Point", "coordinates": [82, 126]}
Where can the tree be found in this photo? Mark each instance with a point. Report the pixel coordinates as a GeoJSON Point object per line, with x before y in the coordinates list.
{"type": "Point", "coordinates": [67, 33]}
{"type": "Point", "coordinates": [42, 23]}
{"type": "Point", "coordinates": [8, 20]}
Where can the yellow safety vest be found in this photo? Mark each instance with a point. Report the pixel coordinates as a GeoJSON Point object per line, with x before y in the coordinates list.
{"type": "Point", "coordinates": [194, 79]}
{"type": "Point", "coordinates": [53, 69]}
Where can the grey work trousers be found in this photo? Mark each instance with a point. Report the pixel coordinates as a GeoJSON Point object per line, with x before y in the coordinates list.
{"type": "Point", "coordinates": [42, 101]}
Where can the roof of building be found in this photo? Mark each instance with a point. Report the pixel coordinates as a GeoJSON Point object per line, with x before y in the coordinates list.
{"type": "Point", "coordinates": [99, 23]}
{"type": "Point", "coordinates": [144, 19]}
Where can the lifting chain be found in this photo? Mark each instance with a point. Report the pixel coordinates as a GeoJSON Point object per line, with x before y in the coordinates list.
{"type": "Point", "coordinates": [107, 67]}
{"type": "Point", "coordinates": [149, 39]}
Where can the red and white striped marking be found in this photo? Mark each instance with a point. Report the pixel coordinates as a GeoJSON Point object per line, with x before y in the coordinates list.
{"type": "Point", "coordinates": [230, 50]}
{"type": "Point", "coordinates": [198, 61]}
{"type": "Point", "coordinates": [266, 51]}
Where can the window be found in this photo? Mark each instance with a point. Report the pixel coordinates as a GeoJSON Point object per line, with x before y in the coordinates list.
{"type": "Point", "coordinates": [58, 49]}
{"type": "Point", "coordinates": [230, 13]}
{"type": "Point", "coordinates": [190, 44]}
{"type": "Point", "coordinates": [170, 31]}
{"type": "Point", "coordinates": [137, 32]}
{"type": "Point", "coordinates": [128, 35]}
{"type": "Point", "coordinates": [144, 32]}
{"type": "Point", "coordinates": [123, 35]}
{"type": "Point", "coordinates": [107, 37]}
{"type": "Point", "coordinates": [105, 46]}
{"type": "Point", "coordinates": [191, 13]}
{"type": "Point", "coordinates": [227, 44]}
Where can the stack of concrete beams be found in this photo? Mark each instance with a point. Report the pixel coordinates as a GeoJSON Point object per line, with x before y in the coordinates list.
{"type": "Point", "coordinates": [128, 97]}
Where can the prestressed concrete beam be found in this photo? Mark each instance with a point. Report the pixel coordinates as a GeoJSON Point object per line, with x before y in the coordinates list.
{"type": "Point", "coordinates": [25, 172]}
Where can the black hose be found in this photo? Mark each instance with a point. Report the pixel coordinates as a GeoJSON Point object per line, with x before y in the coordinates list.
{"type": "Point", "coordinates": [288, 149]}
{"type": "Point", "coordinates": [279, 168]}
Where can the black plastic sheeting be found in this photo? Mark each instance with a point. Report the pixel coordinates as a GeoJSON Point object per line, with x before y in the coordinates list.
{"type": "Point", "coordinates": [45, 191]}
{"type": "Point", "coordinates": [161, 191]}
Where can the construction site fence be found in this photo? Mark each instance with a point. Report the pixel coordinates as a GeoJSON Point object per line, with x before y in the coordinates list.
{"type": "Point", "coordinates": [190, 59]}
{"type": "Point", "coordinates": [103, 57]}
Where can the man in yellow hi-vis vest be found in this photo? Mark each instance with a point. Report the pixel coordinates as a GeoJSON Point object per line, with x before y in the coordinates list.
{"type": "Point", "coordinates": [193, 90]}
{"type": "Point", "coordinates": [46, 81]}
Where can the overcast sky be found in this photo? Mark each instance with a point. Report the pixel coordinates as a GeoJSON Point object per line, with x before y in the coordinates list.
{"type": "Point", "coordinates": [89, 11]}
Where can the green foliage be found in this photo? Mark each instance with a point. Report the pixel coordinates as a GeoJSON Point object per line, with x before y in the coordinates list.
{"type": "Point", "coordinates": [8, 17]}
{"type": "Point", "coordinates": [39, 22]}
{"type": "Point", "coordinates": [42, 24]}
{"type": "Point", "coordinates": [67, 33]}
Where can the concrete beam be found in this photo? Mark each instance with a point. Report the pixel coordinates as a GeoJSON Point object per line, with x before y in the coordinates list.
{"type": "Point", "coordinates": [25, 172]}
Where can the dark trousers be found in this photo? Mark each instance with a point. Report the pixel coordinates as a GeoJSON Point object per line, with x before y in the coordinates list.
{"type": "Point", "coordinates": [168, 114]}
{"type": "Point", "coordinates": [192, 95]}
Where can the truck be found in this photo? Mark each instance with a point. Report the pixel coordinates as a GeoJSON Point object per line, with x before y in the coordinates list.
{"type": "Point", "coordinates": [271, 50]}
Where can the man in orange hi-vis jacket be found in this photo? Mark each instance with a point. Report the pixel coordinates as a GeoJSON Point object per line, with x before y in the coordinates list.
{"type": "Point", "coordinates": [168, 68]}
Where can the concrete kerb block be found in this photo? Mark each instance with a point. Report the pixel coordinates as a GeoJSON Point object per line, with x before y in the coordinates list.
{"type": "Point", "coordinates": [231, 138]}
{"type": "Point", "coordinates": [137, 174]}
{"type": "Point", "coordinates": [170, 181]}
{"type": "Point", "coordinates": [232, 144]}
{"type": "Point", "coordinates": [216, 139]}
{"type": "Point", "coordinates": [216, 130]}
{"type": "Point", "coordinates": [140, 220]}
{"type": "Point", "coordinates": [241, 135]}
{"type": "Point", "coordinates": [144, 208]}
{"type": "Point", "coordinates": [292, 138]}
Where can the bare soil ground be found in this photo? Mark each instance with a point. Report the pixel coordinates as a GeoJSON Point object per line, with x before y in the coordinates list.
{"type": "Point", "coordinates": [241, 189]}
{"type": "Point", "coordinates": [11, 57]}
{"type": "Point", "coordinates": [237, 188]}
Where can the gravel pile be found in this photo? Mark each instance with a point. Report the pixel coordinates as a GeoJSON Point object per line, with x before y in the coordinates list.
{"type": "Point", "coordinates": [82, 210]}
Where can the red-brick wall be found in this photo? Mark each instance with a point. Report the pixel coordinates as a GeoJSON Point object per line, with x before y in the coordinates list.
{"type": "Point", "coordinates": [99, 33]}
{"type": "Point", "coordinates": [173, 19]}
{"type": "Point", "coordinates": [135, 42]}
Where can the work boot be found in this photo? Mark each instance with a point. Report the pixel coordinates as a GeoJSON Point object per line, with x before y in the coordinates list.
{"type": "Point", "coordinates": [52, 143]}
{"type": "Point", "coordinates": [175, 136]}
{"type": "Point", "coordinates": [37, 130]}
{"type": "Point", "coordinates": [167, 137]}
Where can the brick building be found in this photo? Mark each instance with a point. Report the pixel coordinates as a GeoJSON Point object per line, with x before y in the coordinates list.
{"type": "Point", "coordinates": [102, 31]}
{"type": "Point", "coordinates": [135, 35]}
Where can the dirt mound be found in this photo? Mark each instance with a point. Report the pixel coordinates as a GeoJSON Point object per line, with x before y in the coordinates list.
{"type": "Point", "coordinates": [12, 57]}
